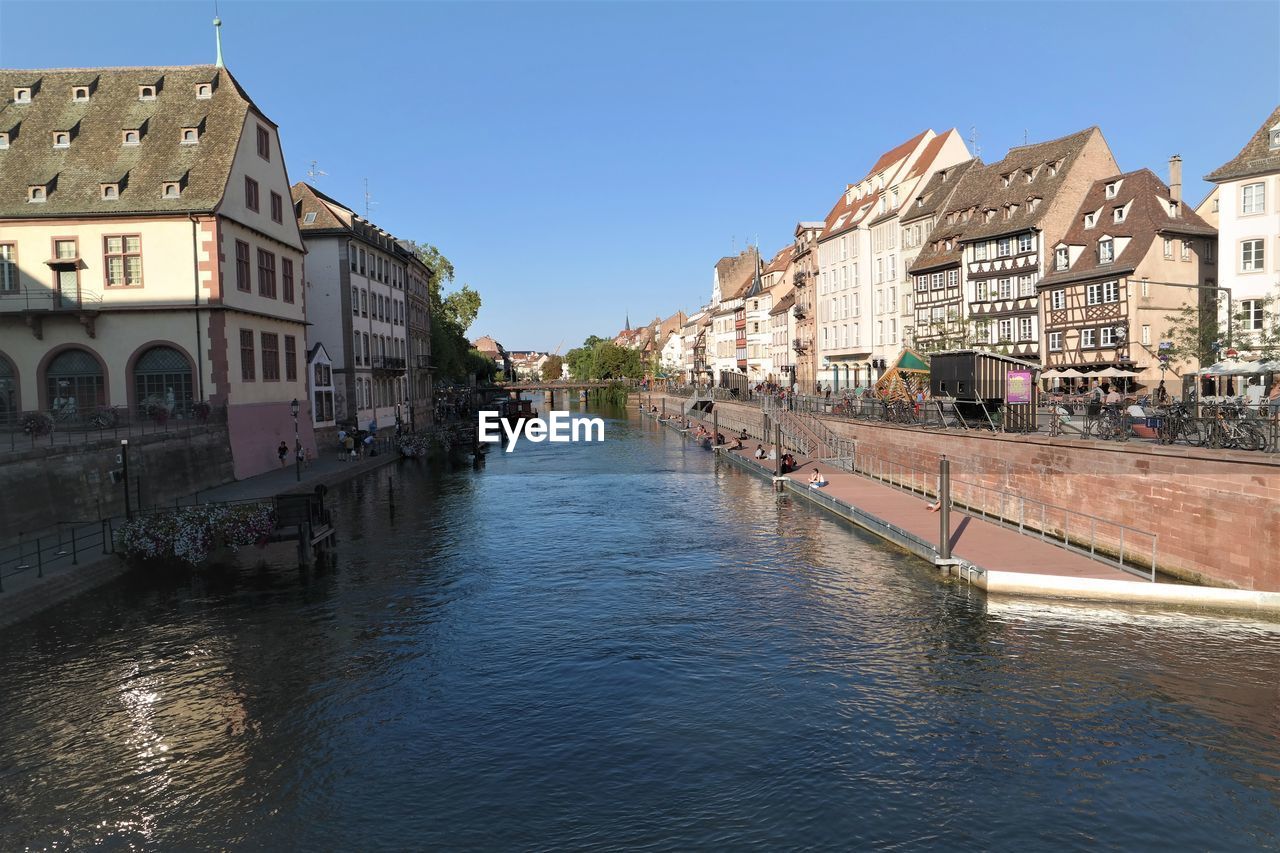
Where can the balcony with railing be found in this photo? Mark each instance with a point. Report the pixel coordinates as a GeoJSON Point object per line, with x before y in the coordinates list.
{"type": "Point", "coordinates": [388, 364]}
{"type": "Point", "coordinates": [801, 347]}
{"type": "Point", "coordinates": [798, 312]}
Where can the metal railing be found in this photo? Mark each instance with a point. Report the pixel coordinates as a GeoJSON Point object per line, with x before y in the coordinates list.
{"type": "Point", "coordinates": [69, 540]}
{"type": "Point", "coordinates": [64, 428]}
{"type": "Point", "coordinates": [1119, 545]}
{"type": "Point", "coordinates": [47, 299]}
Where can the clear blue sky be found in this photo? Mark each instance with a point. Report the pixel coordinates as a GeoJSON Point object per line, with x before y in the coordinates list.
{"type": "Point", "coordinates": [579, 160]}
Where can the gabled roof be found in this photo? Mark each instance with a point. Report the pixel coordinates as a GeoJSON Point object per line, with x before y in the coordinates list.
{"type": "Point", "coordinates": [96, 154]}
{"type": "Point", "coordinates": [783, 305]}
{"type": "Point", "coordinates": [1256, 158]}
{"type": "Point", "coordinates": [1002, 185]}
{"type": "Point", "coordinates": [939, 189]}
{"type": "Point", "coordinates": [781, 259]}
{"type": "Point", "coordinates": [1145, 199]}
{"type": "Point", "coordinates": [893, 155]}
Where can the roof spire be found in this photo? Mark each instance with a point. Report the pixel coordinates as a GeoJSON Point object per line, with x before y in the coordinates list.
{"type": "Point", "coordinates": [627, 327]}
{"type": "Point", "coordinates": [217, 35]}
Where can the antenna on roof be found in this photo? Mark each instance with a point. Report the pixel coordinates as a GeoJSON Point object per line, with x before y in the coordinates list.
{"type": "Point", "coordinates": [368, 199]}
{"type": "Point", "coordinates": [313, 172]}
{"type": "Point", "coordinates": [1024, 136]}
{"type": "Point", "coordinates": [973, 140]}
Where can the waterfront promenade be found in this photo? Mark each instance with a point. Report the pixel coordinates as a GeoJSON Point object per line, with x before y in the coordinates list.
{"type": "Point", "coordinates": [993, 556]}
{"type": "Point", "coordinates": [65, 569]}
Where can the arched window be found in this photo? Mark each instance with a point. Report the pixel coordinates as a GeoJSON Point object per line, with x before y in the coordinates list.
{"type": "Point", "coordinates": [75, 385]}
{"type": "Point", "coordinates": [162, 377]}
{"type": "Point", "coordinates": [8, 393]}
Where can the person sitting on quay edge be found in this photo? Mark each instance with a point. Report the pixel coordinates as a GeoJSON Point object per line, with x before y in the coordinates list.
{"type": "Point", "coordinates": [737, 444]}
{"type": "Point", "coordinates": [816, 480]}
{"type": "Point", "coordinates": [720, 439]}
{"type": "Point", "coordinates": [788, 463]}
{"type": "Point", "coordinates": [759, 451]}
{"type": "Point", "coordinates": [743, 435]}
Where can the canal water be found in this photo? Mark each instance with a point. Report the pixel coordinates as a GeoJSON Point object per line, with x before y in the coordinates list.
{"type": "Point", "coordinates": [624, 645]}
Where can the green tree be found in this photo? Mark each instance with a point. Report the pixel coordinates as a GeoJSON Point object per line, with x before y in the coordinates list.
{"type": "Point", "coordinates": [551, 368]}
{"type": "Point", "coordinates": [451, 316]}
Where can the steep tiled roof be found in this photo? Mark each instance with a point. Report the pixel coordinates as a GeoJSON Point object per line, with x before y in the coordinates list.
{"type": "Point", "coordinates": [1048, 162]}
{"type": "Point", "coordinates": [893, 155]}
{"type": "Point", "coordinates": [999, 185]}
{"type": "Point", "coordinates": [929, 154]}
{"type": "Point", "coordinates": [783, 305]}
{"type": "Point", "coordinates": [781, 259]}
{"type": "Point", "coordinates": [1146, 202]}
{"type": "Point", "coordinates": [848, 213]}
{"type": "Point", "coordinates": [96, 154]}
{"type": "Point", "coordinates": [329, 214]}
{"type": "Point", "coordinates": [1256, 158]}
{"type": "Point", "coordinates": [938, 191]}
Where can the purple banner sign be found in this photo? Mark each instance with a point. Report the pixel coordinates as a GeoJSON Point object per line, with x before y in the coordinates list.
{"type": "Point", "coordinates": [1017, 386]}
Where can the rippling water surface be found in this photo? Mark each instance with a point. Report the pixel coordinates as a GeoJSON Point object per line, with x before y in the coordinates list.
{"type": "Point", "coordinates": [624, 644]}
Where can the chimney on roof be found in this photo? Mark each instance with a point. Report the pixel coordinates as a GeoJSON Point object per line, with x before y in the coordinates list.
{"type": "Point", "coordinates": [1175, 180]}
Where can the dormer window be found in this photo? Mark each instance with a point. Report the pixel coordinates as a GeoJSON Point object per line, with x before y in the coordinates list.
{"type": "Point", "coordinates": [1111, 189]}
{"type": "Point", "coordinates": [4, 139]}
{"type": "Point", "coordinates": [190, 135]}
{"type": "Point", "coordinates": [22, 95]}
{"type": "Point", "coordinates": [172, 189]}
{"type": "Point", "coordinates": [1106, 250]}
{"type": "Point", "coordinates": [1119, 214]}
{"type": "Point", "coordinates": [37, 194]}
{"type": "Point", "coordinates": [1173, 208]}
{"type": "Point", "coordinates": [1275, 139]}
{"type": "Point", "coordinates": [146, 93]}
{"type": "Point", "coordinates": [131, 137]}
{"type": "Point", "coordinates": [110, 192]}
{"type": "Point", "coordinates": [204, 91]}
{"type": "Point", "coordinates": [1004, 180]}
{"type": "Point", "coordinates": [79, 93]}
{"type": "Point", "coordinates": [1089, 219]}
{"type": "Point", "coordinates": [1053, 169]}
{"type": "Point", "coordinates": [61, 139]}
{"type": "Point", "coordinates": [1061, 258]}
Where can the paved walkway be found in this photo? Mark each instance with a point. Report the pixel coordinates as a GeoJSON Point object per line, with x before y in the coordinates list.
{"type": "Point", "coordinates": [57, 568]}
{"type": "Point", "coordinates": [973, 538]}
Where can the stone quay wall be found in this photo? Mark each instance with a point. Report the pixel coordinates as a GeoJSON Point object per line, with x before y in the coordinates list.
{"type": "Point", "coordinates": [1216, 514]}
{"type": "Point", "coordinates": [47, 485]}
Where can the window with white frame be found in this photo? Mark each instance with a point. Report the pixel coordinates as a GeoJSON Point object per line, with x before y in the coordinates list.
{"type": "Point", "coordinates": [1026, 331]}
{"type": "Point", "coordinates": [979, 251]}
{"type": "Point", "coordinates": [1093, 294]}
{"type": "Point", "coordinates": [1061, 259]}
{"type": "Point", "coordinates": [1168, 247]}
{"type": "Point", "coordinates": [1026, 285]}
{"type": "Point", "coordinates": [1006, 331]}
{"type": "Point", "coordinates": [1006, 288]}
{"type": "Point", "coordinates": [936, 281]}
{"type": "Point", "coordinates": [1004, 247]}
{"type": "Point", "coordinates": [922, 283]}
{"type": "Point", "coordinates": [1186, 250]}
{"type": "Point", "coordinates": [1058, 298]}
{"type": "Point", "coordinates": [981, 291]}
{"type": "Point", "coordinates": [1055, 342]}
{"type": "Point", "coordinates": [1252, 256]}
{"type": "Point", "coordinates": [1253, 198]}
{"type": "Point", "coordinates": [1106, 251]}
{"type": "Point", "coordinates": [939, 313]}
{"type": "Point", "coordinates": [1025, 243]}
{"type": "Point", "coordinates": [953, 278]}
{"type": "Point", "coordinates": [1107, 336]}
{"type": "Point", "coordinates": [982, 331]}
{"type": "Point", "coordinates": [1252, 312]}
{"type": "Point", "coordinates": [1111, 291]}
{"type": "Point", "coordinates": [1088, 338]}
{"type": "Point", "coordinates": [1119, 214]}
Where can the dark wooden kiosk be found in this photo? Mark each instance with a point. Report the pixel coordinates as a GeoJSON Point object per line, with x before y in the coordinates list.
{"type": "Point", "coordinates": [984, 389]}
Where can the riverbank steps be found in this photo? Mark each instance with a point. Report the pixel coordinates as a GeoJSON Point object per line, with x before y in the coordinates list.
{"type": "Point", "coordinates": [986, 554]}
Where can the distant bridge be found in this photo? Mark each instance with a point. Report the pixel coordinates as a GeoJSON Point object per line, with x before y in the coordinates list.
{"type": "Point", "coordinates": [557, 386]}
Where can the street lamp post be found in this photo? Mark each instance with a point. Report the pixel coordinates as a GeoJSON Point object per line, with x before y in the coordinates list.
{"type": "Point", "coordinates": [124, 460]}
{"type": "Point", "coordinates": [297, 444]}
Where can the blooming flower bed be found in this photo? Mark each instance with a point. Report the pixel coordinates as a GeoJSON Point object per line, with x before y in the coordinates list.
{"type": "Point", "coordinates": [192, 533]}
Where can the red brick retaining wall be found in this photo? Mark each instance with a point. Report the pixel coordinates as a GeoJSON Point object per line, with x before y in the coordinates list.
{"type": "Point", "coordinates": [1216, 513]}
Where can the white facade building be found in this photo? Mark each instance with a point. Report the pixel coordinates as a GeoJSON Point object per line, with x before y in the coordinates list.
{"type": "Point", "coordinates": [1248, 221]}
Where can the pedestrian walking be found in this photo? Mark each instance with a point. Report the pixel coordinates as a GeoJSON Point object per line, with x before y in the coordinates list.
{"type": "Point", "coordinates": [283, 452]}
